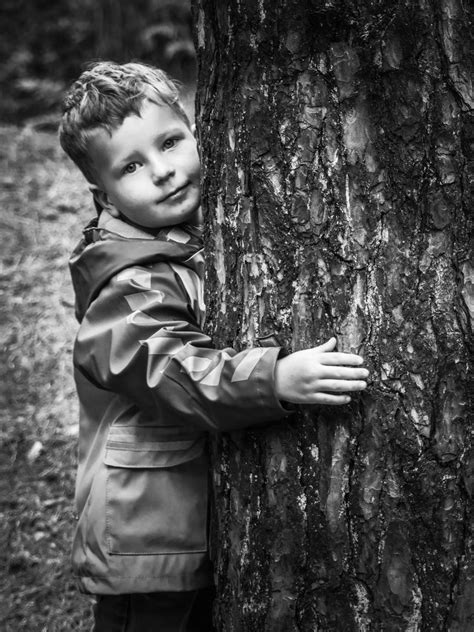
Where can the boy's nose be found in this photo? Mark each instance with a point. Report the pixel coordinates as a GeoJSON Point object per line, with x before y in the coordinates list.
{"type": "Point", "coordinates": [161, 170]}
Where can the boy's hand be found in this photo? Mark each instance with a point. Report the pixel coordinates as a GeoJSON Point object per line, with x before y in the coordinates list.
{"type": "Point", "coordinates": [319, 376]}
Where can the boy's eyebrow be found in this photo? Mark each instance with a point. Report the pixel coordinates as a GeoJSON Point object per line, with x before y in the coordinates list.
{"type": "Point", "coordinates": [168, 132]}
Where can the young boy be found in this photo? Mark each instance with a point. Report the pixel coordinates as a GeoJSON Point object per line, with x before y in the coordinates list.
{"type": "Point", "coordinates": [150, 384]}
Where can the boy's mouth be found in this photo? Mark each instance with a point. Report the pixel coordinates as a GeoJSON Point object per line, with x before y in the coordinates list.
{"type": "Point", "coordinates": [173, 193]}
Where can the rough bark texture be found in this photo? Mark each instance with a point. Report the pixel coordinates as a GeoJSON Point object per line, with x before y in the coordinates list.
{"type": "Point", "coordinates": [337, 145]}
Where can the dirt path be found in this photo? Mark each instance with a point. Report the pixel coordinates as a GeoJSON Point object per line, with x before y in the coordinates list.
{"type": "Point", "coordinates": [43, 204]}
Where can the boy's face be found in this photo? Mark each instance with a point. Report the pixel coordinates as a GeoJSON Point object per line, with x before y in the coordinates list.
{"type": "Point", "coordinates": [148, 168]}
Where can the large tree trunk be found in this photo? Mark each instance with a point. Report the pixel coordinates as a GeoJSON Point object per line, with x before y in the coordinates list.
{"type": "Point", "coordinates": [337, 160]}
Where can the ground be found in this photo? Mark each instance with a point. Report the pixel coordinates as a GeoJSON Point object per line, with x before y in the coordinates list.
{"type": "Point", "coordinates": [43, 204]}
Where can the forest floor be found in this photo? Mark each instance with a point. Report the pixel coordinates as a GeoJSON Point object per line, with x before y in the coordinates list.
{"type": "Point", "coordinates": [43, 205]}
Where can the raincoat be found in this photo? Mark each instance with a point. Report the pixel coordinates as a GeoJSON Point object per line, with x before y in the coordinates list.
{"type": "Point", "coordinates": [151, 387]}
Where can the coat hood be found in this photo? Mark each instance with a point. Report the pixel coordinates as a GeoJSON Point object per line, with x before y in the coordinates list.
{"type": "Point", "coordinates": [110, 245]}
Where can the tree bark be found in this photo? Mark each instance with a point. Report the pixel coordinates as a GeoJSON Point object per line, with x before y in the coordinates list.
{"type": "Point", "coordinates": [337, 147]}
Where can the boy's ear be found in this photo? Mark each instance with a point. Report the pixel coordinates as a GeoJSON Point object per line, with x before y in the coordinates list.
{"type": "Point", "coordinates": [102, 201]}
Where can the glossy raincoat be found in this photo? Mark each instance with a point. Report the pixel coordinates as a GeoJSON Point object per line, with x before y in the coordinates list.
{"type": "Point", "coordinates": [151, 386]}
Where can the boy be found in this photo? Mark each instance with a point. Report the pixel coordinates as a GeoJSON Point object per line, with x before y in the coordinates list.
{"type": "Point", "coordinates": [149, 381]}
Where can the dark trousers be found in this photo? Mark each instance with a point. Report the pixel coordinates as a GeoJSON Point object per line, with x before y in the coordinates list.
{"type": "Point", "coordinates": [155, 612]}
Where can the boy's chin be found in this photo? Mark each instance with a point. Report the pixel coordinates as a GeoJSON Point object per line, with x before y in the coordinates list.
{"type": "Point", "coordinates": [193, 217]}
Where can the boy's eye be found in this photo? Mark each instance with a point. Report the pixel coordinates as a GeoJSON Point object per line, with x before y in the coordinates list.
{"type": "Point", "coordinates": [130, 168]}
{"type": "Point", "coordinates": [169, 143]}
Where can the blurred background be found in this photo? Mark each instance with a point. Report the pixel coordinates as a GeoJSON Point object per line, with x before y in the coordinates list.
{"type": "Point", "coordinates": [44, 44]}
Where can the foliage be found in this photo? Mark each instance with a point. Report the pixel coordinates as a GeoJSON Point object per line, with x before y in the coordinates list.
{"type": "Point", "coordinates": [45, 44]}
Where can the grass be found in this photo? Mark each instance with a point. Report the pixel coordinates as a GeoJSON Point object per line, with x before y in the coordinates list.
{"type": "Point", "coordinates": [43, 205]}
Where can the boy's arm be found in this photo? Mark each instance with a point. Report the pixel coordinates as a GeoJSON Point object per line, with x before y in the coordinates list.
{"type": "Point", "coordinates": [140, 338]}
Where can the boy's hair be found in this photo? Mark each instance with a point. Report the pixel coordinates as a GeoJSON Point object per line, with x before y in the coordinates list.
{"type": "Point", "coordinates": [103, 96]}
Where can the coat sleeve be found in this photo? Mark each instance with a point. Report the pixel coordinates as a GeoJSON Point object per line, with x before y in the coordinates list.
{"type": "Point", "coordinates": [141, 338]}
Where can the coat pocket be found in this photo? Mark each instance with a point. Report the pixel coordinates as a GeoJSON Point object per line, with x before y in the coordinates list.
{"type": "Point", "coordinates": [156, 492]}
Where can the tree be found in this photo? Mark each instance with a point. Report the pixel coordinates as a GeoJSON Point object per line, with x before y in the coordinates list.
{"type": "Point", "coordinates": [337, 142]}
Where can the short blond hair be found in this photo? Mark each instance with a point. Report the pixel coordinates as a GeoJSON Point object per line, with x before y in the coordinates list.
{"type": "Point", "coordinates": [103, 96]}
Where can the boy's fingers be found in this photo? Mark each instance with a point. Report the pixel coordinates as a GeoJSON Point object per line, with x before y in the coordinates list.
{"type": "Point", "coordinates": [341, 359]}
{"type": "Point", "coordinates": [330, 399]}
{"type": "Point", "coordinates": [327, 346]}
{"type": "Point", "coordinates": [342, 373]}
{"type": "Point", "coordinates": [341, 385]}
